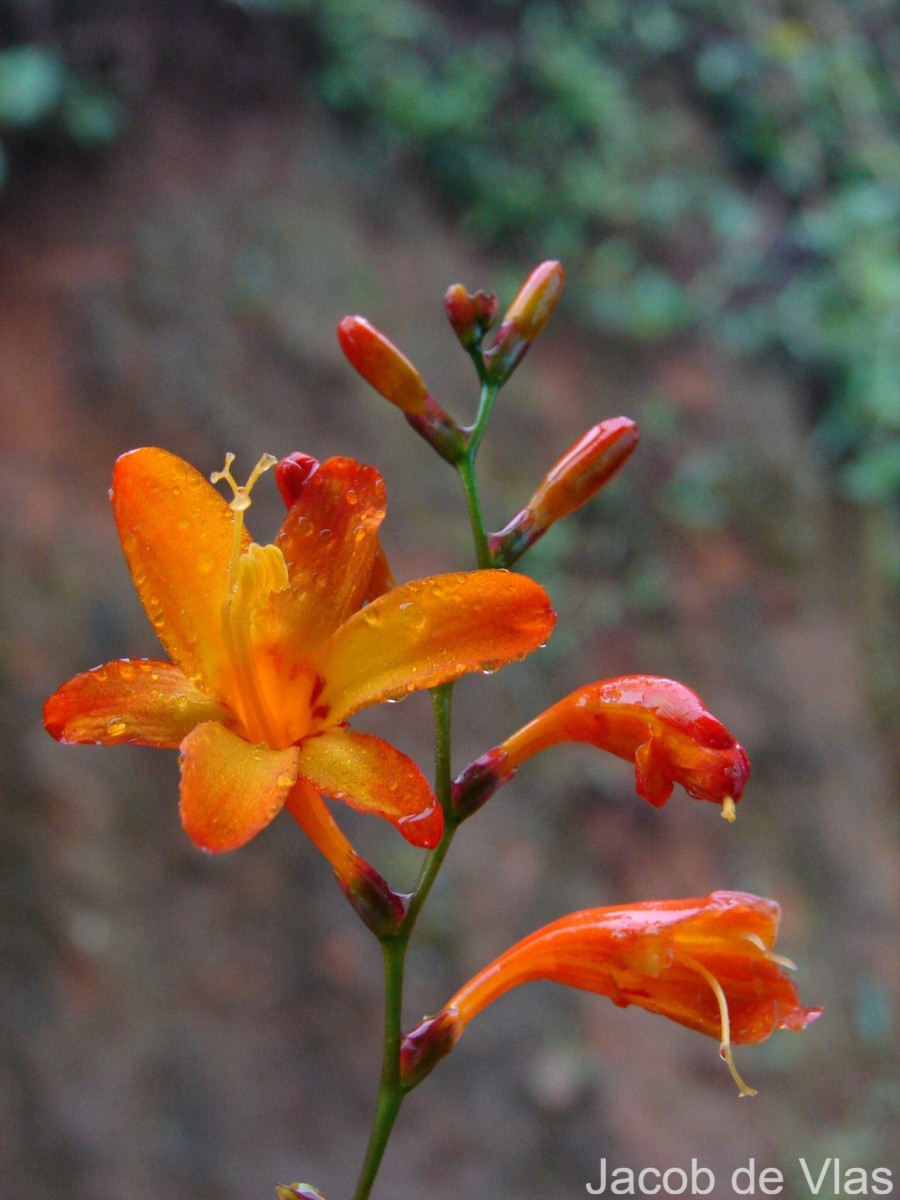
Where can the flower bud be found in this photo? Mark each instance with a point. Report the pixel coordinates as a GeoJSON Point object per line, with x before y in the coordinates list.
{"type": "Point", "coordinates": [298, 1191]}
{"type": "Point", "coordinates": [382, 365]}
{"type": "Point", "coordinates": [581, 472]}
{"type": "Point", "coordinates": [423, 1047]}
{"type": "Point", "coordinates": [524, 320]}
{"type": "Point", "coordinates": [291, 475]}
{"type": "Point", "coordinates": [470, 315]}
{"type": "Point", "coordinates": [392, 375]}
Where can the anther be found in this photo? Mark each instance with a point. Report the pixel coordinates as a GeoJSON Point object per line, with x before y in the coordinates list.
{"type": "Point", "coordinates": [729, 812]}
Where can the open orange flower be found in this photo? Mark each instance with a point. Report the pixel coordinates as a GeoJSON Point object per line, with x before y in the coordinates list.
{"type": "Point", "coordinates": [271, 650]}
{"type": "Point", "coordinates": [708, 964]}
{"type": "Point", "coordinates": [660, 725]}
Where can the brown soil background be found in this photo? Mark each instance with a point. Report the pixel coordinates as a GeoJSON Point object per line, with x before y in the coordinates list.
{"type": "Point", "coordinates": [186, 1027]}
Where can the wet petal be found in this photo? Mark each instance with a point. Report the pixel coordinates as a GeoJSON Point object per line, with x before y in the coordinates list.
{"type": "Point", "coordinates": [429, 632]}
{"type": "Point", "coordinates": [371, 775]}
{"type": "Point", "coordinates": [329, 540]}
{"type": "Point", "coordinates": [230, 789]}
{"type": "Point", "coordinates": [177, 534]}
{"type": "Point", "coordinates": [130, 700]}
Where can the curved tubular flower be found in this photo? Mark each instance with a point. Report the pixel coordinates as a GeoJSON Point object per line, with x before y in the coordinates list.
{"type": "Point", "coordinates": [661, 725]}
{"type": "Point", "coordinates": [271, 651]}
{"type": "Point", "coordinates": [708, 964]}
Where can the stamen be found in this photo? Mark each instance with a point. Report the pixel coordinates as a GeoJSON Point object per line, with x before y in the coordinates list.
{"type": "Point", "coordinates": [755, 940]}
{"type": "Point", "coordinates": [725, 1045]}
{"type": "Point", "coordinates": [729, 812]}
{"type": "Point", "coordinates": [239, 504]}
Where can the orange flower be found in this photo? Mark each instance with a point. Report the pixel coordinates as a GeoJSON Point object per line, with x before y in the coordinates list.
{"type": "Point", "coordinates": [708, 964]}
{"type": "Point", "coordinates": [661, 725]}
{"type": "Point", "coordinates": [270, 653]}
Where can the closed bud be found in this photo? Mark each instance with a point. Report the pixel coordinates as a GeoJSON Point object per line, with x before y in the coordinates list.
{"type": "Point", "coordinates": [470, 315]}
{"type": "Point", "coordinates": [291, 475]}
{"type": "Point", "coordinates": [524, 320]}
{"type": "Point", "coordinates": [382, 365]}
{"type": "Point", "coordinates": [581, 472]}
{"type": "Point", "coordinates": [298, 1191]}
{"type": "Point", "coordinates": [391, 374]}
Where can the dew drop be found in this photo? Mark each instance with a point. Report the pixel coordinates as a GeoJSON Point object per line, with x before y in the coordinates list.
{"type": "Point", "coordinates": [115, 727]}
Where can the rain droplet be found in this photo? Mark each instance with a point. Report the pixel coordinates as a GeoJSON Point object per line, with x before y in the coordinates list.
{"type": "Point", "coordinates": [115, 727]}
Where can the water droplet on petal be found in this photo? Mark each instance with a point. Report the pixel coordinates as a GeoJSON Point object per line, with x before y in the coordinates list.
{"type": "Point", "coordinates": [115, 727]}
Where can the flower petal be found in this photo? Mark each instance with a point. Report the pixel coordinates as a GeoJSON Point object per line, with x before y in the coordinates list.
{"type": "Point", "coordinates": [329, 540]}
{"type": "Point", "coordinates": [130, 700]}
{"type": "Point", "coordinates": [429, 632]}
{"type": "Point", "coordinates": [230, 789]}
{"type": "Point", "coordinates": [177, 534]}
{"type": "Point", "coordinates": [369, 774]}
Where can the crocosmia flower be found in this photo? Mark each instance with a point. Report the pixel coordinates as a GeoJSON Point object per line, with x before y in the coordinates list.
{"type": "Point", "coordinates": [658, 724]}
{"type": "Point", "coordinates": [708, 964]}
{"type": "Point", "coordinates": [272, 649]}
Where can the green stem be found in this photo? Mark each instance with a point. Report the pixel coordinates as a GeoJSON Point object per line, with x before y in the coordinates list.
{"type": "Point", "coordinates": [390, 1093]}
{"type": "Point", "coordinates": [466, 470]}
{"type": "Point", "coordinates": [393, 949]}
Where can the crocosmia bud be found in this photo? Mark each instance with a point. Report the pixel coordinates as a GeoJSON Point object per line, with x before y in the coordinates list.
{"type": "Point", "coordinates": [524, 320]}
{"type": "Point", "coordinates": [391, 374]}
{"type": "Point", "coordinates": [581, 472]}
{"type": "Point", "coordinates": [292, 473]}
{"type": "Point", "coordinates": [382, 365]}
{"type": "Point", "coordinates": [470, 315]}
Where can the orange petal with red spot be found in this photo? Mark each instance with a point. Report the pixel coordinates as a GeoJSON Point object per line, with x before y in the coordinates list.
{"type": "Point", "coordinates": [130, 700]}
{"type": "Point", "coordinates": [329, 540]}
{"type": "Point", "coordinates": [429, 632]}
{"type": "Point", "coordinates": [369, 774]}
{"type": "Point", "coordinates": [230, 789]}
{"type": "Point", "coordinates": [177, 534]}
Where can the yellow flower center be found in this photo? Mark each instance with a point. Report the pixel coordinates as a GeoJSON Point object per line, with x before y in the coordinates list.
{"type": "Point", "coordinates": [253, 576]}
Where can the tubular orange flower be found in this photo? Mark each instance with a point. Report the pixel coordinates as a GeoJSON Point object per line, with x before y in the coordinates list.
{"type": "Point", "coordinates": [524, 320]}
{"type": "Point", "coordinates": [708, 964]}
{"type": "Point", "coordinates": [661, 725]}
{"type": "Point", "coordinates": [581, 472]}
{"type": "Point", "coordinates": [270, 653]}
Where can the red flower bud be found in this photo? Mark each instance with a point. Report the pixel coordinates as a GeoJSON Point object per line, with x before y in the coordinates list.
{"type": "Point", "coordinates": [581, 472]}
{"type": "Point", "coordinates": [391, 374]}
{"type": "Point", "coordinates": [382, 365]}
{"type": "Point", "coordinates": [291, 475]}
{"type": "Point", "coordinates": [524, 320]}
{"type": "Point", "coordinates": [470, 315]}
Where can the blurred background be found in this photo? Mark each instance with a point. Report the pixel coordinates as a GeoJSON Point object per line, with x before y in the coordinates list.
{"type": "Point", "coordinates": [193, 195]}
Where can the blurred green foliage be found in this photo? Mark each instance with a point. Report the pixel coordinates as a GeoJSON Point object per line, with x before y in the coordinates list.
{"type": "Point", "coordinates": [718, 164]}
{"type": "Point", "coordinates": [712, 165]}
{"type": "Point", "coordinates": [41, 96]}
